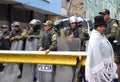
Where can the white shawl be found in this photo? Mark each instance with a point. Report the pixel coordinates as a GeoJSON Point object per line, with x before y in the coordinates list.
{"type": "Point", "coordinates": [100, 66]}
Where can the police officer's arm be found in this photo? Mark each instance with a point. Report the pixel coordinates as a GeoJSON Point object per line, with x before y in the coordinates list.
{"type": "Point", "coordinates": [10, 36]}
{"type": "Point", "coordinates": [27, 34]}
{"type": "Point", "coordinates": [40, 41]}
{"type": "Point", "coordinates": [114, 31]}
{"type": "Point", "coordinates": [53, 41]}
{"type": "Point", "coordinates": [22, 35]}
{"type": "Point", "coordinates": [62, 33]}
{"type": "Point", "coordinates": [83, 34]}
{"type": "Point", "coordinates": [32, 35]}
{"type": "Point", "coordinates": [35, 36]}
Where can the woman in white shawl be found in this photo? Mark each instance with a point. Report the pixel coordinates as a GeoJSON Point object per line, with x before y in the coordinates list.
{"type": "Point", "coordinates": [100, 66]}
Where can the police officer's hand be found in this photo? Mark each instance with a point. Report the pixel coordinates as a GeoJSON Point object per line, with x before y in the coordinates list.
{"type": "Point", "coordinates": [13, 38]}
{"type": "Point", "coordinates": [30, 38]}
{"type": "Point", "coordinates": [47, 51]}
{"type": "Point", "coordinates": [70, 37]}
{"type": "Point", "coordinates": [41, 49]}
{"type": "Point", "coordinates": [6, 38]}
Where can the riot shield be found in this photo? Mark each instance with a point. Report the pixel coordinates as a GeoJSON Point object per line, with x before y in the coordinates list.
{"type": "Point", "coordinates": [11, 71]}
{"type": "Point", "coordinates": [63, 44]}
{"type": "Point", "coordinates": [31, 44]}
{"type": "Point", "coordinates": [43, 73]}
{"type": "Point", "coordinates": [17, 45]}
{"type": "Point", "coordinates": [29, 70]}
{"type": "Point", "coordinates": [66, 73]}
{"type": "Point", "coordinates": [58, 73]}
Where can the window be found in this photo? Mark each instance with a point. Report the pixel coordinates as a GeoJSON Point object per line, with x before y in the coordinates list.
{"type": "Point", "coordinates": [47, 0]}
{"type": "Point", "coordinates": [96, 2]}
{"type": "Point", "coordinates": [89, 0]}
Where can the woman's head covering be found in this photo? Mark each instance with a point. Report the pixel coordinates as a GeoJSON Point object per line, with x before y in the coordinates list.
{"type": "Point", "coordinates": [99, 20]}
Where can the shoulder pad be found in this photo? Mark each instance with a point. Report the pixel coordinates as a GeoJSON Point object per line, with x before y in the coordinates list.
{"type": "Point", "coordinates": [115, 24]}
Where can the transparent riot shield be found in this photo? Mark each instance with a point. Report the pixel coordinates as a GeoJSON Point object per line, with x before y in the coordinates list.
{"type": "Point", "coordinates": [17, 45]}
{"type": "Point", "coordinates": [11, 71]}
{"type": "Point", "coordinates": [61, 73]}
{"type": "Point", "coordinates": [29, 70]}
{"type": "Point", "coordinates": [58, 73]}
{"type": "Point", "coordinates": [43, 73]}
{"type": "Point", "coordinates": [64, 44]}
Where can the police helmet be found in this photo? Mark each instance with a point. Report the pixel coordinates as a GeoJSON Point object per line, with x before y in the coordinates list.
{"type": "Point", "coordinates": [72, 19]}
{"type": "Point", "coordinates": [16, 23]}
{"type": "Point", "coordinates": [35, 22]}
{"type": "Point", "coordinates": [4, 26]}
{"type": "Point", "coordinates": [57, 22]}
{"type": "Point", "coordinates": [79, 19]}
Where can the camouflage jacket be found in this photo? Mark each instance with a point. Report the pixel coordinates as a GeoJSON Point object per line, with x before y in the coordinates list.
{"type": "Point", "coordinates": [33, 34]}
{"type": "Point", "coordinates": [48, 40]}
{"type": "Point", "coordinates": [78, 33]}
{"type": "Point", "coordinates": [17, 35]}
{"type": "Point", "coordinates": [111, 30]}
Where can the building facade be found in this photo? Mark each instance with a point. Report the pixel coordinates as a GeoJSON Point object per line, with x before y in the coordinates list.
{"type": "Point", "coordinates": [73, 7]}
{"type": "Point", "coordinates": [93, 7]}
{"type": "Point", "coordinates": [26, 10]}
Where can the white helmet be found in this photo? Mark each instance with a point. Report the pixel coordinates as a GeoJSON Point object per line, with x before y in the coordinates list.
{"type": "Point", "coordinates": [72, 19]}
{"type": "Point", "coordinates": [79, 19]}
{"type": "Point", "coordinates": [57, 22]}
{"type": "Point", "coordinates": [35, 22]}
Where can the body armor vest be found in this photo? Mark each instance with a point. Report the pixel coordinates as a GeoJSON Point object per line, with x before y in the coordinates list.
{"type": "Point", "coordinates": [75, 32]}
{"type": "Point", "coordinates": [47, 39]}
{"type": "Point", "coordinates": [6, 44]}
{"type": "Point", "coordinates": [17, 33]}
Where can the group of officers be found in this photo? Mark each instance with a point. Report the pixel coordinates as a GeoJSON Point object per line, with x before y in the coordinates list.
{"type": "Point", "coordinates": [49, 33]}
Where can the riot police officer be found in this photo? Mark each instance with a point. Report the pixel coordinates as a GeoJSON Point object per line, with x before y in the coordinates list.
{"type": "Point", "coordinates": [33, 35]}
{"type": "Point", "coordinates": [34, 29]}
{"type": "Point", "coordinates": [5, 43]}
{"type": "Point", "coordinates": [59, 27]}
{"type": "Point", "coordinates": [18, 33]}
{"type": "Point", "coordinates": [112, 26]}
{"type": "Point", "coordinates": [85, 35]}
{"type": "Point", "coordinates": [79, 21]}
{"type": "Point", "coordinates": [48, 40]}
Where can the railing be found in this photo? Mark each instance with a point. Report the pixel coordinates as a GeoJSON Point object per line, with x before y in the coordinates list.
{"type": "Point", "coordinates": [69, 58]}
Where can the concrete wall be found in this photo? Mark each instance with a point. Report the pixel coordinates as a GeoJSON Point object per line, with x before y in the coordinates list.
{"type": "Point", "coordinates": [76, 8]}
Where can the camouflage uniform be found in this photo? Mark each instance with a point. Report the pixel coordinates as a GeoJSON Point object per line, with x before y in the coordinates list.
{"type": "Point", "coordinates": [18, 34]}
{"type": "Point", "coordinates": [48, 42]}
{"type": "Point", "coordinates": [84, 37]}
{"type": "Point", "coordinates": [6, 44]}
{"type": "Point", "coordinates": [48, 39]}
{"type": "Point", "coordinates": [111, 30]}
{"type": "Point", "coordinates": [112, 33]}
{"type": "Point", "coordinates": [33, 34]}
{"type": "Point", "coordinates": [34, 29]}
{"type": "Point", "coordinates": [78, 33]}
